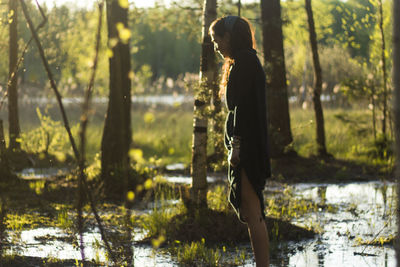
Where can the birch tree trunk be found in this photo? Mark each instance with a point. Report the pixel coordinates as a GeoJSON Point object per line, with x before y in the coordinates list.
{"type": "Point", "coordinates": [384, 72]}
{"type": "Point", "coordinates": [117, 128]}
{"type": "Point", "coordinates": [208, 78]}
{"type": "Point", "coordinates": [319, 115]}
{"type": "Point", "coordinates": [396, 85]}
{"type": "Point", "coordinates": [13, 120]}
{"type": "Point", "coordinates": [274, 58]}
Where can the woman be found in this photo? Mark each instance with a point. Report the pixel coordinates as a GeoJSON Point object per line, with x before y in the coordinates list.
{"type": "Point", "coordinates": [246, 133]}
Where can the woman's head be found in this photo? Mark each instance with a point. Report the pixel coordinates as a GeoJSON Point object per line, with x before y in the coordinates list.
{"type": "Point", "coordinates": [231, 34]}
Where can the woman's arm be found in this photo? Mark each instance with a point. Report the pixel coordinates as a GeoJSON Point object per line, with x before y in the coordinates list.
{"type": "Point", "coordinates": [244, 94]}
{"type": "Point", "coordinates": [244, 104]}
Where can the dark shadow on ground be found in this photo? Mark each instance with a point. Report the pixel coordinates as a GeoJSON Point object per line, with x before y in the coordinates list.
{"type": "Point", "coordinates": [327, 170]}
{"type": "Point", "coordinates": [216, 227]}
{"type": "Point", "coordinates": [22, 261]}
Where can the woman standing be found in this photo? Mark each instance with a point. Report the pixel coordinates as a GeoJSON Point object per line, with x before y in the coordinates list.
{"type": "Point", "coordinates": [243, 83]}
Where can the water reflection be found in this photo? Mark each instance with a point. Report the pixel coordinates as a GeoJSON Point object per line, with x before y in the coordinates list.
{"type": "Point", "coordinates": [363, 214]}
{"type": "Point", "coordinates": [364, 211]}
{"type": "Point", "coordinates": [181, 179]}
{"type": "Point", "coordinates": [145, 99]}
{"type": "Point", "coordinates": [42, 173]}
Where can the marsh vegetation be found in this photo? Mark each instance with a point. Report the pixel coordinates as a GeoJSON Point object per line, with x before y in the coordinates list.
{"type": "Point", "coordinates": [110, 180]}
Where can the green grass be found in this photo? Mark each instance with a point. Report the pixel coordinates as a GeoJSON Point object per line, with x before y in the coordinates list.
{"type": "Point", "coordinates": [161, 136]}
{"type": "Point", "coordinates": [349, 133]}
{"type": "Point", "coordinates": [164, 135]}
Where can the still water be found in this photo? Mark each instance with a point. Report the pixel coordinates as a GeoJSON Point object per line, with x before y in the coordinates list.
{"type": "Point", "coordinates": [363, 212]}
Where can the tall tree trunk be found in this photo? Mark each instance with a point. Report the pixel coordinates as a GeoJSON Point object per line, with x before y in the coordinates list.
{"type": "Point", "coordinates": [396, 86]}
{"type": "Point", "coordinates": [13, 121]}
{"type": "Point", "coordinates": [384, 72]}
{"type": "Point", "coordinates": [319, 115]}
{"type": "Point", "coordinates": [278, 104]}
{"type": "Point", "coordinates": [4, 167]}
{"type": "Point", "coordinates": [117, 128]}
{"type": "Point", "coordinates": [208, 78]}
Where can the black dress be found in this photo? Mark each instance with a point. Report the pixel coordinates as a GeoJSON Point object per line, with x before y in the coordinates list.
{"type": "Point", "coordinates": [247, 118]}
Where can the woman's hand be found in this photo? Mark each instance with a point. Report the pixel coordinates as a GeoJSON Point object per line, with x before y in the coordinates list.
{"type": "Point", "coordinates": [233, 157]}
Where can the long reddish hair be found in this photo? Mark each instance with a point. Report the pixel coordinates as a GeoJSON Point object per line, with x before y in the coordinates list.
{"type": "Point", "coordinates": [242, 37]}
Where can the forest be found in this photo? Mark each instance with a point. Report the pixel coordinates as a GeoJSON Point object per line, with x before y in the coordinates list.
{"type": "Point", "coordinates": [112, 133]}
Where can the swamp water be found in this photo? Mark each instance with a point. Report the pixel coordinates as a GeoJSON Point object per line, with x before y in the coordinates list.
{"type": "Point", "coordinates": [362, 212]}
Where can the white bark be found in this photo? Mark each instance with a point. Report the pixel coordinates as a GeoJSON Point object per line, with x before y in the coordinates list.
{"type": "Point", "coordinates": [202, 100]}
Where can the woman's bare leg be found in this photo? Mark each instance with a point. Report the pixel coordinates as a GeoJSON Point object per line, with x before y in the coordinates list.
{"type": "Point", "coordinates": [251, 212]}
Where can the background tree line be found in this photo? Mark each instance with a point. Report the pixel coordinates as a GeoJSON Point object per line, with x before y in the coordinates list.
{"type": "Point", "coordinates": [166, 44]}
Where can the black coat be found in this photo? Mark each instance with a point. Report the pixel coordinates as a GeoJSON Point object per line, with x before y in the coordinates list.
{"type": "Point", "coordinates": [247, 118]}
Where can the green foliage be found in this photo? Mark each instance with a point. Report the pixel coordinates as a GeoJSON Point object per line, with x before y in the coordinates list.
{"type": "Point", "coordinates": [287, 206]}
{"type": "Point", "coordinates": [37, 186]}
{"type": "Point", "coordinates": [217, 199]}
{"type": "Point", "coordinates": [50, 138]}
{"type": "Point", "coordinates": [354, 22]}
{"type": "Point", "coordinates": [168, 52]}
{"type": "Point", "coordinates": [157, 222]}
{"type": "Point", "coordinates": [349, 133]}
{"type": "Point", "coordinates": [164, 136]}
{"type": "Point", "coordinates": [64, 219]}
{"type": "Point", "coordinates": [165, 43]}
{"type": "Point", "coordinates": [17, 222]}
{"type": "Point", "coordinates": [196, 253]}
{"type": "Point", "coordinates": [381, 148]}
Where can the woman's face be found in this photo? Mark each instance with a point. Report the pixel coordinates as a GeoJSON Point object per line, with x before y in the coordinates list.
{"type": "Point", "coordinates": [221, 44]}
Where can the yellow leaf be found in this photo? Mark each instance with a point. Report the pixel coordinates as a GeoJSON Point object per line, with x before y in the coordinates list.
{"type": "Point", "coordinates": [139, 188]}
{"type": "Point", "coordinates": [123, 3]}
{"type": "Point", "coordinates": [130, 196]}
{"type": "Point", "coordinates": [136, 154]}
{"type": "Point", "coordinates": [110, 53]}
{"type": "Point", "coordinates": [131, 75]}
{"type": "Point", "coordinates": [125, 34]}
{"type": "Point", "coordinates": [134, 49]}
{"type": "Point", "coordinates": [149, 117]}
{"type": "Point", "coordinates": [119, 26]}
{"type": "Point", "coordinates": [157, 242]}
{"type": "Point", "coordinates": [148, 184]}
{"type": "Point", "coordinates": [61, 157]}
